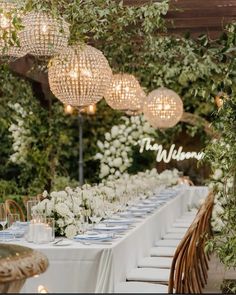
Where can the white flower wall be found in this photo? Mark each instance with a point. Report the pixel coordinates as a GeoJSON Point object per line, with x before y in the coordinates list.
{"type": "Point", "coordinates": [116, 151]}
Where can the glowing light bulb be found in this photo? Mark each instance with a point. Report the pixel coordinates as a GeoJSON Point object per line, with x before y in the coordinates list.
{"type": "Point", "coordinates": [166, 107]}
{"type": "Point", "coordinates": [5, 22]}
{"type": "Point", "coordinates": [74, 74]}
{"type": "Point", "coordinates": [44, 28]}
{"type": "Point", "coordinates": [118, 87]}
{"type": "Point", "coordinates": [42, 289]}
{"type": "Point", "coordinates": [127, 89]}
{"type": "Point", "coordinates": [91, 109]}
{"type": "Point", "coordinates": [68, 109]}
{"type": "Point", "coordinates": [86, 73]}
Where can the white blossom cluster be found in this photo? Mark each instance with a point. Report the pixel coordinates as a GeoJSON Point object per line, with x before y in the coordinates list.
{"type": "Point", "coordinates": [221, 183]}
{"type": "Point", "coordinates": [20, 135]}
{"type": "Point", "coordinates": [116, 151]}
{"type": "Point", "coordinates": [69, 207]}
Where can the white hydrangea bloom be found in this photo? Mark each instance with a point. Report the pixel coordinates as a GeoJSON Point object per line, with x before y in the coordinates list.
{"type": "Point", "coordinates": [70, 231]}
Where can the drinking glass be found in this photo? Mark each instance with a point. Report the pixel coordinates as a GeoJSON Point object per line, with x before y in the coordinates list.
{"type": "Point", "coordinates": [30, 205]}
{"type": "Point", "coordinates": [12, 220]}
{"type": "Point", "coordinates": [108, 210]}
{"type": "Point", "coordinates": [84, 224]}
{"type": "Point", "coordinates": [95, 219]}
{"type": "Point", "coordinates": [49, 230]}
{"type": "Point", "coordinates": [3, 217]}
{"type": "Point", "coordinates": [13, 223]}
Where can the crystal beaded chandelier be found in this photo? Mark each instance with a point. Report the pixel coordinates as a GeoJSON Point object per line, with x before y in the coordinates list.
{"type": "Point", "coordinates": [79, 76]}
{"type": "Point", "coordinates": [7, 12]}
{"type": "Point", "coordinates": [163, 108]}
{"type": "Point", "coordinates": [125, 93]}
{"type": "Point", "coordinates": [43, 35]}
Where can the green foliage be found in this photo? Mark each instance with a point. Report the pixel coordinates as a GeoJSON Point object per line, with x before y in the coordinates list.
{"type": "Point", "coordinates": [223, 154]}
{"type": "Point", "coordinates": [141, 162]}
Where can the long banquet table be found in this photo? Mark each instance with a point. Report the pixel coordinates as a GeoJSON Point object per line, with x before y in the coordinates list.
{"type": "Point", "coordinates": [98, 268]}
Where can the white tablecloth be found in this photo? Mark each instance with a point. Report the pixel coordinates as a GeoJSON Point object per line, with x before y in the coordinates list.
{"type": "Point", "coordinates": [97, 268]}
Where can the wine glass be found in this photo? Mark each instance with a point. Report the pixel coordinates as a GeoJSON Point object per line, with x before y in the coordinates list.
{"type": "Point", "coordinates": [3, 216]}
{"type": "Point", "coordinates": [13, 220]}
{"type": "Point", "coordinates": [30, 205]}
{"type": "Point", "coordinates": [13, 223]}
{"type": "Point", "coordinates": [95, 219]}
{"type": "Point", "coordinates": [84, 224]}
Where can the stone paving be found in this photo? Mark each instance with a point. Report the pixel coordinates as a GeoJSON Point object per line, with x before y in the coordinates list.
{"type": "Point", "coordinates": [216, 275]}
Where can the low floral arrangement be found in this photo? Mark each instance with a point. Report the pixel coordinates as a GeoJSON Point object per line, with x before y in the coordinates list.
{"type": "Point", "coordinates": [71, 207]}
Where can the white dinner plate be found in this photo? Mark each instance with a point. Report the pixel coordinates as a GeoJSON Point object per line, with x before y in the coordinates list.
{"type": "Point", "coordinates": [93, 237]}
{"type": "Point", "coordinates": [119, 221]}
{"type": "Point", "coordinates": [140, 210]}
{"type": "Point", "coordinates": [111, 228]}
{"type": "Point", "coordinates": [147, 206]}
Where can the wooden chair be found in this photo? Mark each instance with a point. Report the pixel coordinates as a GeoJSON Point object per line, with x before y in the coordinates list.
{"type": "Point", "coordinates": [13, 207]}
{"type": "Point", "coordinates": [189, 262]}
{"type": "Point", "coordinates": [189, 266]}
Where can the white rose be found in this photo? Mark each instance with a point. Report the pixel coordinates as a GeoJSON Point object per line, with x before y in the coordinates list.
{"type": "Point", "coordinates": [104, 170]}
{"type": "Point", "coordinates": [98, 156]}
{"type": "Point", "coordinates": [112, 170]}
{"type": "Point", "coordinates": [69, 220]}
{"type": "Point", "coordinates": [100, 145]}
{"type": "Point", "coordinates": [114, 131]}
{"type": "Point", "coordinates": [70, 231]}
{"type": "Point", "coordinates": [62, 209]}
{"type": "Point", "coordinates": [107, 153]}
{"type": "Point", "coordinates": [117, 173]}
{"type": "Point", "coordinates": [218, 174]}
{"type": "Point", "coordinates": [106, 144]}
{"type": "Point", "coordinates": [60, 222]}
{"type": "Point", "coordinates": [108, 136]}
{"type": "Point", "coordinates": [116, 143]}
{"type": "Point", "coordinates": [123, 139]}
{"type": "Point", "coordinates": [112, 149]}
{"type": "Point", "coordinates": [117, 162]}
{"type": "Point", "coordinates": [122, 168]}
{"type": "Point", "coordinates": [45, 194]}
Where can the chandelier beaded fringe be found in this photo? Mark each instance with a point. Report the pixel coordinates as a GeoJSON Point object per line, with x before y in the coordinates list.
{"type": "Point", "coordinates": [163, 108]}
{"type": "Point", "coordinates": [125, 93]}
{"type": "Point", "coordinates": [79, 76]}
{"type": "Point", "coordinates": [43, 35]}
{"type": "Point", "coordinates": [8, 11]}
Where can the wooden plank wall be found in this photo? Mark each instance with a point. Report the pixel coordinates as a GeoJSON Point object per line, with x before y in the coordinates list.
{"type": "Point", "coordinates": [197, 16]}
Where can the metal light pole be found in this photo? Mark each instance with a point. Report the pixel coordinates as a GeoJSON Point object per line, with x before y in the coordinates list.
{"type": "Point", "coordinates": [90, 110]}
{"type": "Point", "coordinates": [81, 158]}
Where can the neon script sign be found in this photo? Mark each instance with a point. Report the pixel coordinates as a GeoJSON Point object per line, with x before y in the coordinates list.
{"type": "Point", "coordinates": [167, 156]}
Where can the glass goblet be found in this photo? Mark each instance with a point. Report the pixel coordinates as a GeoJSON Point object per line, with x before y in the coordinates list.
{"type": "Point", "coordinates": [3, 217]}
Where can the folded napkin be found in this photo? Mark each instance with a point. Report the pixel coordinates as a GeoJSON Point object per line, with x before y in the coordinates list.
{"type": "Point", "coordinates": [93, 237]}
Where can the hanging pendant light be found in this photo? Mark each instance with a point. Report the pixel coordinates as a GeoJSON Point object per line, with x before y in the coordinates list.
{"type": "Point", "coordinates": [163, 108]}
{"type": "Point", "coordinates": [125, 93]}
{"type": "Point", "coordinates": [79, 76]}
{"type": "Point", "coordinates": [7, 14]}
{"type": "Point", "coordinates": [139, 109]}
{"type": "Point", "coordinates": [43, 35]}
